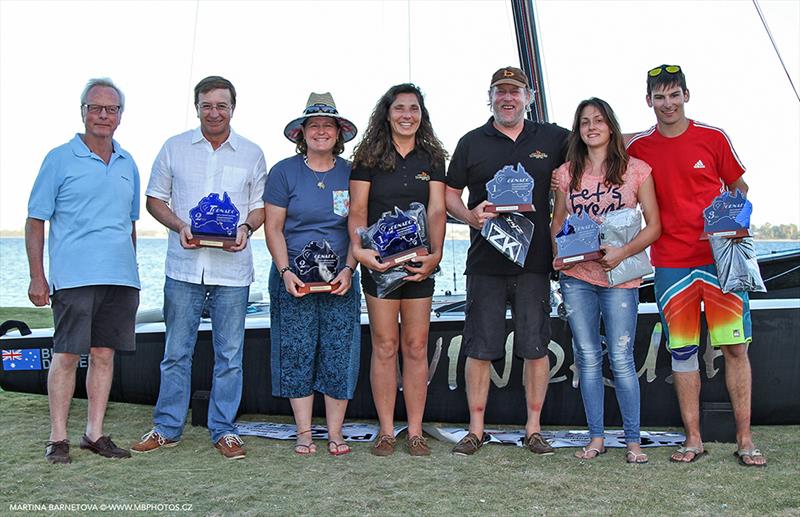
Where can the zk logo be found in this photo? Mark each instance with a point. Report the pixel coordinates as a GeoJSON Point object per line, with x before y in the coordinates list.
{"type": "Point", "coordinates": [507, 244]}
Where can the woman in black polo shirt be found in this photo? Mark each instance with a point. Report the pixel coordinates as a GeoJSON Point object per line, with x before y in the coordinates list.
{"type": "Point", "coordinates": [399, 161]}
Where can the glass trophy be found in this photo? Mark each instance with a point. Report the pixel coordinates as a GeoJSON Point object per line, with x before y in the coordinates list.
{"type": "Point", "coordinates": [511, 190]}
{"type": "Point", "coordinates": [399, 236]}
{"type": "Point", "coordinates": [578, 240]}
{"type": "Point", "coordinates": [317, 266]}
{"type": "Point", "coordinates": [214, 222]}
{"type": "Point", "coordinates": [728, 216]}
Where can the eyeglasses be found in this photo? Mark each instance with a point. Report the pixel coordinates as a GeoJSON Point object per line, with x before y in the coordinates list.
{"type": "Point", "coordinates": [670, 69]}
{"type": "Point", "coordinates": [207, 108]}
{"type": "Point", "coordinates": [96, 109]}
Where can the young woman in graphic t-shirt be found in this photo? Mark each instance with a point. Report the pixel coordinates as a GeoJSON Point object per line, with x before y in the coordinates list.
{"type": "Point", "coordinates": [599, 177]}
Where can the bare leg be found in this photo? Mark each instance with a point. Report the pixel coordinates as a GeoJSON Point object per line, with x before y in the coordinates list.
{"type": "Point", "coordinates": [687, 386]}
{"type": "Point", "coordinates": [334, 417]}
{"type": "Point", "coordinates": [476, 373]}
{"type": "Point", "coordinates": [415, 322]}
{"type": "Point", "coordinates": [60, 388]}
{"type": "Point", "coordinates": [385, 334]}
{"type": "Point", "coordinates": [537, 375]}
{"type": "Point", "coordinates": [98, 386]}
{"type": "Point", "coordinates": [738, 379]}
{"type": "Point", "coordinates": [302, 408]}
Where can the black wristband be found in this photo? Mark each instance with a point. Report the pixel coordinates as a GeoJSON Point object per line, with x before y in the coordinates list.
{"type": "Point", "coordinates": [249, 229]}
{"type": "Point", "coordinates": [351, 268]}
{"type": "Point", "coordinates": [284, 270]}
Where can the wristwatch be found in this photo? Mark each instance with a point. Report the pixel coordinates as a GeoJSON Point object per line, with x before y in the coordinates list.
{"type": "Point", "coordinates": [249, 229]}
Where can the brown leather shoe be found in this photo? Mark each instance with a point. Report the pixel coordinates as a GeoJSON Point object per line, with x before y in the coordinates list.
{"type": "Point", "coordinates": [538, 445]}
{"type": "Point", "coordinates": [384, 446]}
{"type": "Point", "coordinates": [470, 444]}
{"type": "Point", "coordinates": [417, 446]}
{"type": "Point", "coordinates": [57, 452]}
{"type": "Point", "coordinates": [104, 447]}
{"type": "Point", "coordinates": [151, 441]}
{"type": "Point", "coordinates": [231, 446]}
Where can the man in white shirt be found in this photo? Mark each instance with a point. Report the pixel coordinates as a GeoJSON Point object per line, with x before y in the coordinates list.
{"type": "Point", "coordinates": [190, 167]}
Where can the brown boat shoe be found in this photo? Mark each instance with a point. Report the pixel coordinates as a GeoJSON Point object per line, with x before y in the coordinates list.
{"type": "Point", "coordinates": [418, 446]}
{"type": "Point", "coordinates": [470, 444]}
{"type": "Point", "coordinates": [152, 441]}
{"type": "Point", "coordinates": [231, 446]}
{"type": "Point", "coordinates": [57, 452]}
{"type": "Point", "coordinates": [104, 447]}
{"type": "Point", "coordinates": [384, 445]}
{"type": "Point", "coordinates": [538, 445]}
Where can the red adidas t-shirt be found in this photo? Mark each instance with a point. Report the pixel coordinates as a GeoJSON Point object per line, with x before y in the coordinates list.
{"type": "Point", "coordinates": [689, 170]}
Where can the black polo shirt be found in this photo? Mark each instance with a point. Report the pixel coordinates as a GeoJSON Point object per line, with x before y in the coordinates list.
{"type": "Point", "coordinates": [408, 182]}
{"type": "Point", "coordinates": [540, 148]}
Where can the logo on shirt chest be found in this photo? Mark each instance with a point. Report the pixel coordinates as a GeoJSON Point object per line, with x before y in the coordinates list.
{"type": "Point", "coordinates": [699, 165]}
{"type": "Point", "coordinates": [423, 176]}
{"type": "Point", "coordinates": [539, 155]}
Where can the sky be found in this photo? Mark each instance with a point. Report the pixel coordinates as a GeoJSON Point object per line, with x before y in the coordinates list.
{"type": "Point", "coordinates": [277, 52]}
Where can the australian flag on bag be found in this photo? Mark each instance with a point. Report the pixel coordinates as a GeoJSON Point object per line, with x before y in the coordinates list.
{"type": "Point", "coordinates": [24, 359]}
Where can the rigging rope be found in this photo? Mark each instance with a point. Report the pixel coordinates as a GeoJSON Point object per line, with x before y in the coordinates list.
{"type": "Point", "coordinates": [775, 46]}
{"type": "Point", "coordinates": [194, 49]}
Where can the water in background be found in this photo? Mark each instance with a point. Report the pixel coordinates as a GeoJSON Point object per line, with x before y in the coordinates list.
{"type": "Point", "coordinates": [152, 252]}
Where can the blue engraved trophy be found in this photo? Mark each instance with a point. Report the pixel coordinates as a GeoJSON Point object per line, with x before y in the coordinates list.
{"type": "Point", "coordinates": [578, 240]}
{"type": "Point", "coordinates": [727, 216]}
{"type": "Point", "coordinates": [397, 235]}
{"type": "Point", "coordinates": [511, 190]}
{"type": "Point", "coordinates": [214, 222]}
{"type": "Point", "coordinates": [316, 266]}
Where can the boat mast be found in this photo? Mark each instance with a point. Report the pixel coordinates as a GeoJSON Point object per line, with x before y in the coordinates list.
{"type": "Point", "coordinates": [530, 61]}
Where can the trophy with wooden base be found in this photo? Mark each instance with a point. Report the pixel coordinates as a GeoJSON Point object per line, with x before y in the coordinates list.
{"type": "Point", "coordinates": [316, 266]}
{"type": "Point", "coordinates": [511, 190]}
{"type": "Point", "coordinates": [214, 222]}
{"type": "Point", "coordinates": [727, 216]}
{"type": "Point", "coordinates": [578, 241]}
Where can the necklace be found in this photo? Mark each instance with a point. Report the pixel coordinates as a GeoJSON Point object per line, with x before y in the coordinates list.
{"type": "Point", "coordinates": [320, 183]}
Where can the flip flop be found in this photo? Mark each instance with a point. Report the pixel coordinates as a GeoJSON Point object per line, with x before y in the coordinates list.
{"type": "Point", "coordinates": [302, 449]}
{"type": "Point", "coordinates": [698, 453]}
{"type": "Point", "coordinates": [586, 450]}
{"type": "Point", "coordinates": [635, 459]}
{"type": "Point", "coordinates": [753, 453]}
{"type": "Point", "coordinates": [338, 449]}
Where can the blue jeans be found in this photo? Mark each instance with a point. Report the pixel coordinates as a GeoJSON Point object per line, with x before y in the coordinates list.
{"type": "Point", "coordinates": [183, 305]}
{"type": "Point", "coordinates": [585, 304]}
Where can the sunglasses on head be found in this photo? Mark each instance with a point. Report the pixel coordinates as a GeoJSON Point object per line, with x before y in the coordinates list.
{"type": "Point", "coordinates": [670, 69]}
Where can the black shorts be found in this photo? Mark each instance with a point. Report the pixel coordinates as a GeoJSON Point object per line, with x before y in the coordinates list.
{"type": "Point", "coordinates": [95, 316]}
{"type": "Point", "coordinates": [485, 315]}
{"type": "Point", "coordinates": [407, 291]}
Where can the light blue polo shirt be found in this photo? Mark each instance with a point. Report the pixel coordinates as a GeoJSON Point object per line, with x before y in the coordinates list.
{"type": "Point", "coordinates": [90, 206]}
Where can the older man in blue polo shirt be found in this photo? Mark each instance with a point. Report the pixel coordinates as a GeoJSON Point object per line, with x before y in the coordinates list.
{"type": "Point", "coordinates": [88, 189]}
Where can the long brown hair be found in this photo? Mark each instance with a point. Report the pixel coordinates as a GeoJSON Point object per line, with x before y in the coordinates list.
{"type": "Point", "coordinates": [376, 148]}
{"type": "Point", "coordinates": [577, 152]}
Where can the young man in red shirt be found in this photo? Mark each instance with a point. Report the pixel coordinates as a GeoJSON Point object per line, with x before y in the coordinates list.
{"type": "Point", "coordinates": [692, 163]}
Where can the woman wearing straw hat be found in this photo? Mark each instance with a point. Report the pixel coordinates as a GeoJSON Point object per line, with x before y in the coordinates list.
{"type": "Point", "coordinates": [399, 161]}
{"type": "Point", "coordinates": [315, 338]}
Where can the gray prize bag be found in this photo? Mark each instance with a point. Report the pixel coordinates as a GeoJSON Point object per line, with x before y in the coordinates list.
{"type": "Point", "coordinates": [737, 265]}
{"type": "Point", "coordinates": [619, 228]}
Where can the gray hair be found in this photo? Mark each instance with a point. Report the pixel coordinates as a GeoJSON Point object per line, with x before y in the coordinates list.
{"type": "Point", "coordinates": [103, 81]}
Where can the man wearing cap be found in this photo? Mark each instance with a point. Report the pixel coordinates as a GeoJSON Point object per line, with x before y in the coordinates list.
{"type": "Point", "coordinates": [191, 166]}
{"type": "Point", "coordinates": [506, 139]}
{"type": "Point", "coordinates": [88, 189]}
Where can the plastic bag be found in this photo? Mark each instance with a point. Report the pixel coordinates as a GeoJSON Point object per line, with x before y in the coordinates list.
{"type": "Point", "coordinates": [737, 265]}
{"type": "Point", "coordinates": [618, 229]}
{"type": "Point", "coordinates": [511, 235]}
{"type": "Point", "coordinates": [391, 279]}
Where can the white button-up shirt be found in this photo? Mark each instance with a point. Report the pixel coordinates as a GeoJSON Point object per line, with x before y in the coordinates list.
{"type": "Point", "coordinates": [188, 169]}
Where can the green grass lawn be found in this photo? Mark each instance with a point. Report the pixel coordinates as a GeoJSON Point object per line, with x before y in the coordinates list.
{"type": "Point", "coordinates": [499, 480]}
{"type": "Point", "coordinates": [36, 318]}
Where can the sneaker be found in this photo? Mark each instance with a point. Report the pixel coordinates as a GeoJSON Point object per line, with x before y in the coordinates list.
{"type": "Point", "coordinates": [538, 445]}
{"type": "Point", "coordinates": [470, 444]}
{"type": "Point", "coordinates": [417, 446]}
{"type": "Point", "coordinates": [104, 447]}
{"type": "Point", "coordinates": [384, 445]}
{"type": "Point", "coordinates": [152, 441]}
{"type": "Point", "coordinates": [57, 452]}
{"type": "Point", "coordinates": [231, 446]}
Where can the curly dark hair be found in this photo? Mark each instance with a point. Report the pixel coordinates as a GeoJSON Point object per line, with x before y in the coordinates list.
{"type": "Point", "coordinates": [577, 152]}
{"type": "Point", "coordinates": [302, 146]}
{"type": "Point", "coordinates": [376, 148]}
